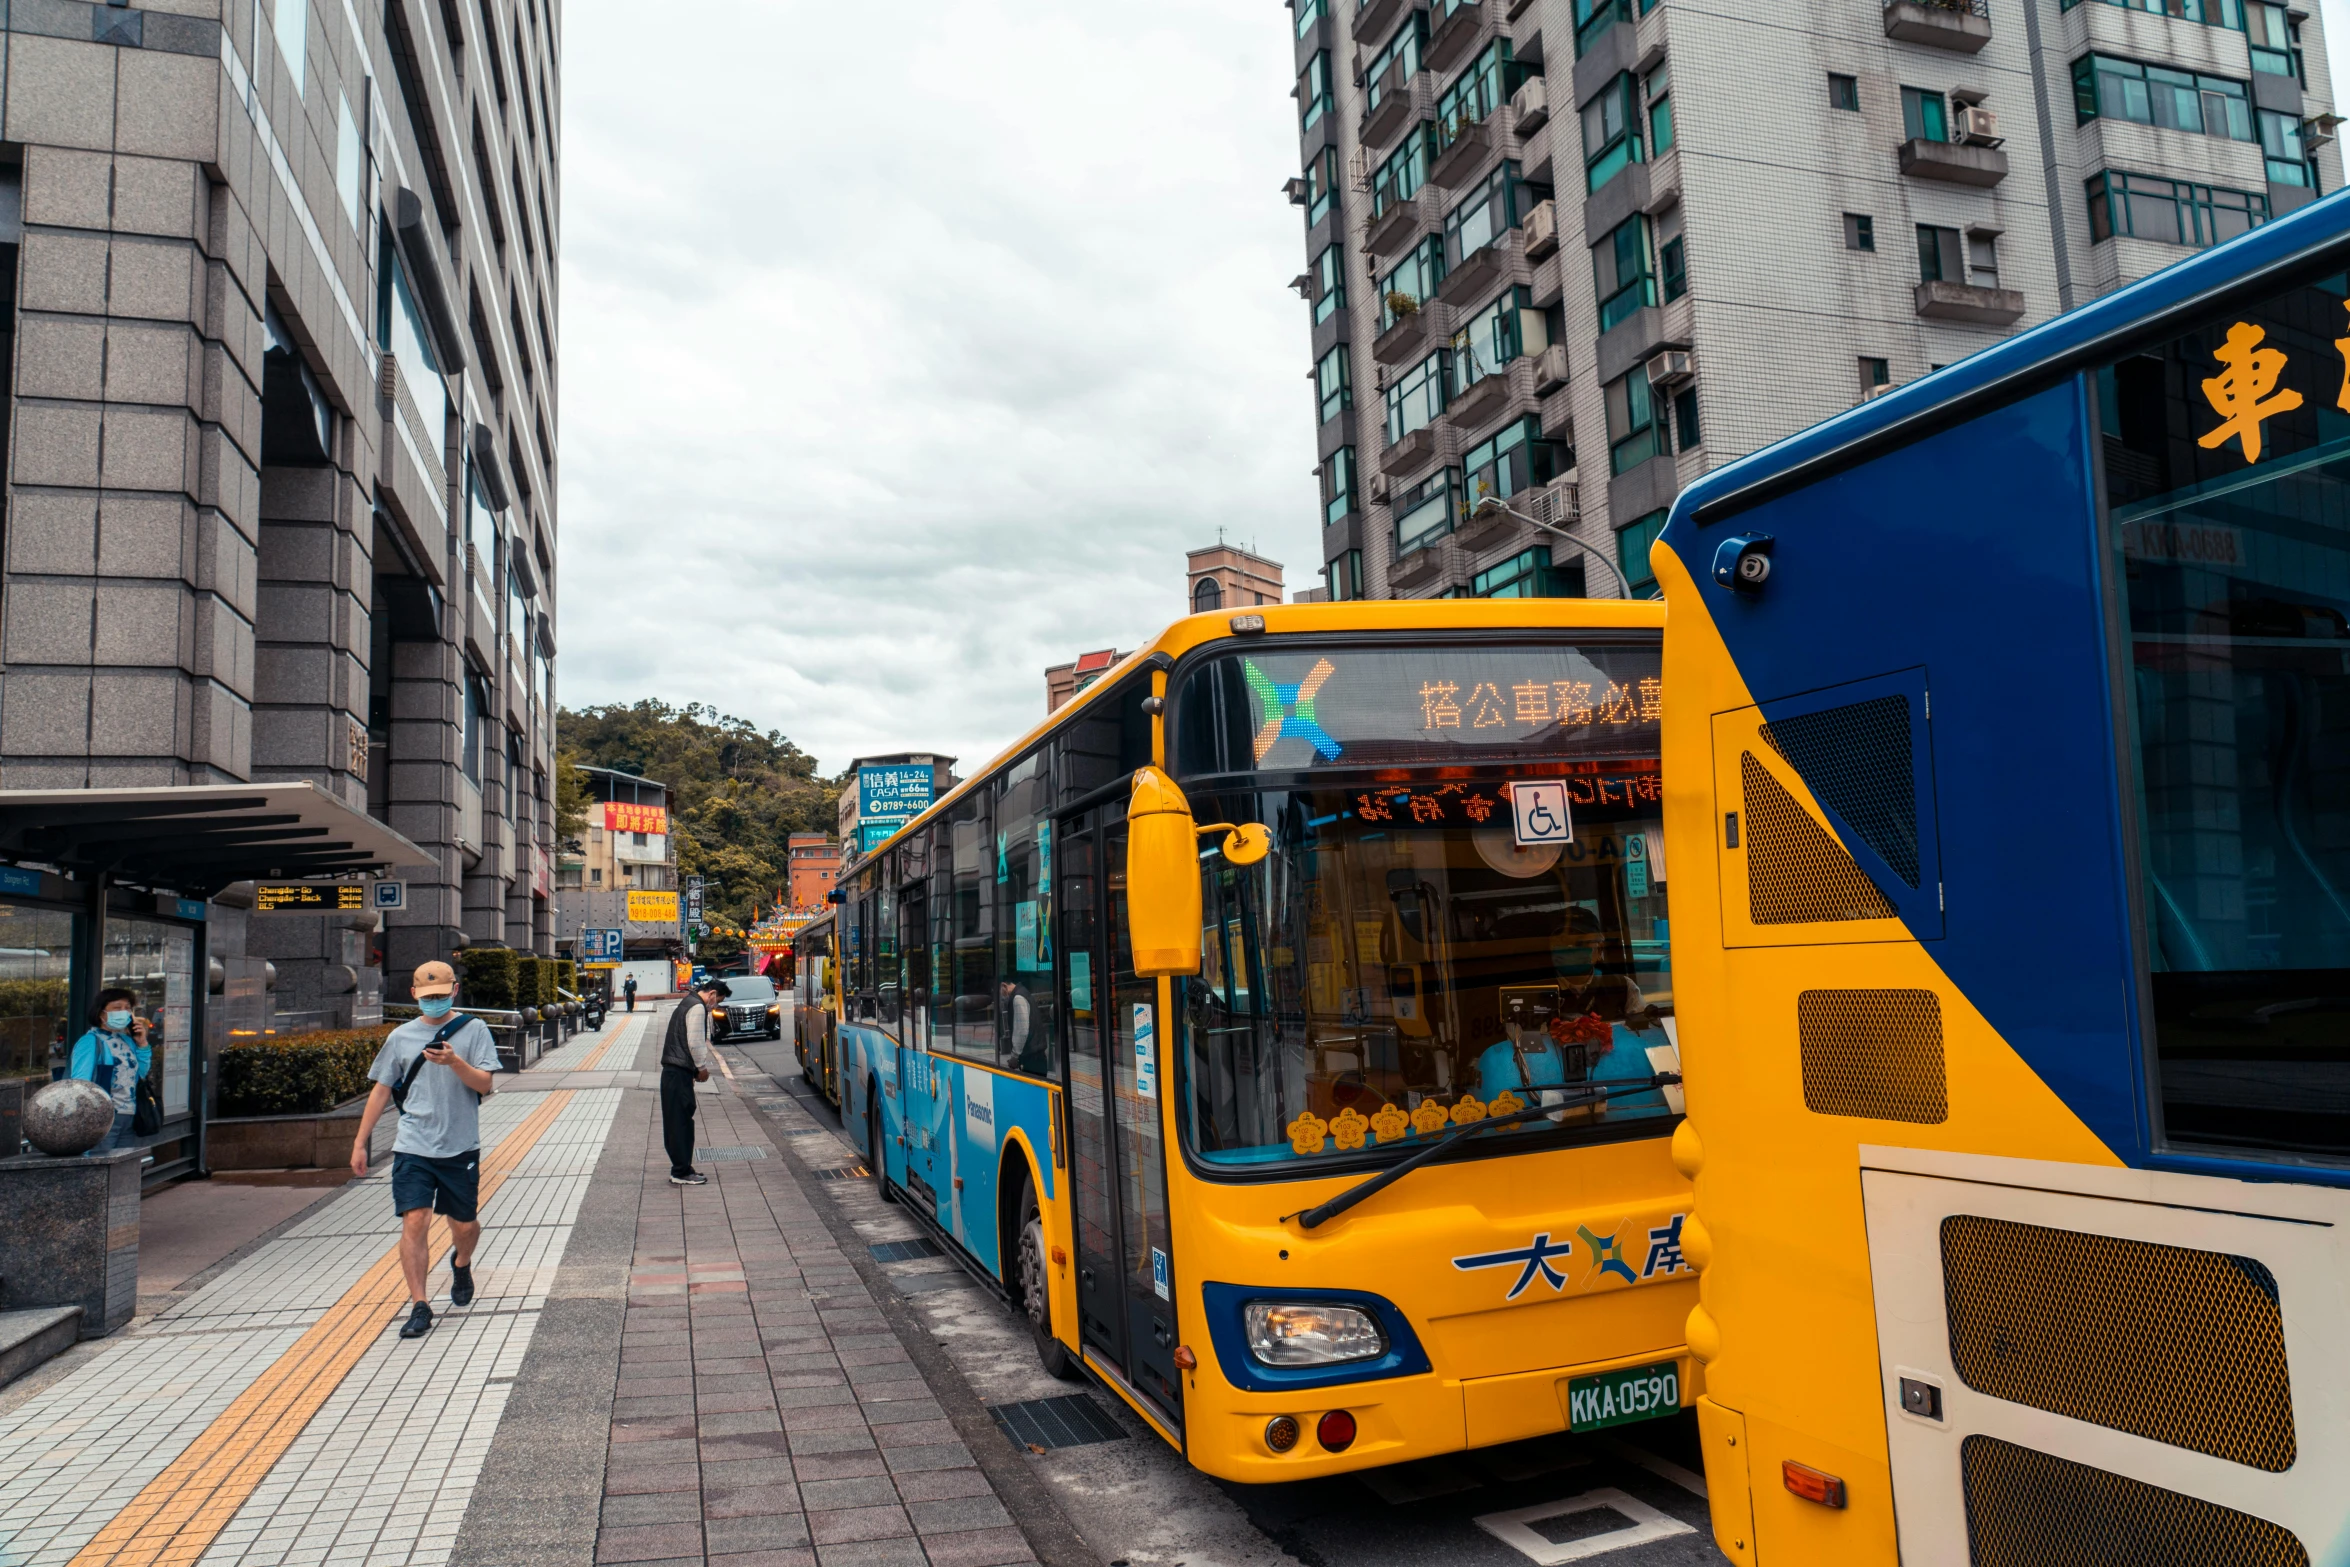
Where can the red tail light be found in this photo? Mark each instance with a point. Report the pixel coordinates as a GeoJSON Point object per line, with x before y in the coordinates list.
{"type": "Point", "coordinates": [1336, 1432]}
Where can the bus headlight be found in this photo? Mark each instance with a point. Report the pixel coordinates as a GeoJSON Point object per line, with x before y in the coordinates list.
{"type": "Point", "coordinates": [1311, 1333]}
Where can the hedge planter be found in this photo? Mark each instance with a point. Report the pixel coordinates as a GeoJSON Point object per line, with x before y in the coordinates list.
{"type": "Point", "coordinates": [284, 1142]}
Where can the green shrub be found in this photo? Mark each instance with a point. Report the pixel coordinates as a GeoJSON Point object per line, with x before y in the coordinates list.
{"type": "Point", "coordinates": [567, 975]}
{"type": "Point", "coordinates": [32, 998]}
{"type": "Point", "coordinates": [300, 1074]}
{"type": "Point", "coordinates": [490, 976]}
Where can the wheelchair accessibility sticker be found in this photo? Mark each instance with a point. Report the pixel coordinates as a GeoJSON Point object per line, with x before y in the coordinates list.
{"type": "Point", "coordinates": [1541, 814]}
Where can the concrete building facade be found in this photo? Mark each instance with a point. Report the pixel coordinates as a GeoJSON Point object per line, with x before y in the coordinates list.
{"type": "Point", "coordinates": [1566, 255]}
{"type": "Point", "coordinates": [1225, 576]}
{"type": "Point", "coordinates": [281, 468]}
{"type": "Point", "coordinates": [814, 868]}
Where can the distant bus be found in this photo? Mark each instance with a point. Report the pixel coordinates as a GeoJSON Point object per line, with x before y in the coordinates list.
{"type": "Point", "coordinates": [1154, 1019]}
{"type": "Point", "coordinates": [816, 1005]}
{"type": "Point", "coordinates": [2008, 777]}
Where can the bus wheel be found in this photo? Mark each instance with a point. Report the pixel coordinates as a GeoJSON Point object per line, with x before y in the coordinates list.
{"type": "Point", "coordinates": [1036, 1290]}
{"type": "Point", "coordinates": [880, 1155]}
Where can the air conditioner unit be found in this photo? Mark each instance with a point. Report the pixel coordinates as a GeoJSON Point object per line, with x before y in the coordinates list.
{"type": "Point", "coordinates": [1358, 169]}
{"type": "Point", "coordinates": [1978, 126]}
{"type": "Point", "coordinates": [1304, 284]}
{"type": "Point", "coordinates": [1532, 103]}
{"type": "Point", "coordinates": [1296, 191]}
{"type": "Point", "coordinates": [1669, 368]}
{"type": "Point", "coordinates": [1875, 392]}
{"type": "Point", "coordinates": [2318, 130]}
{"type": "Point", "coordinates": [1379, 487]}
{"type": "Point", "coordinates": [1550, 369]}
{"type": "Point", "coordinates": [1542, 230]}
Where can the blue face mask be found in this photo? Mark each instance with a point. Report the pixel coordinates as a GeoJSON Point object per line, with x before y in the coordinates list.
{"type": "Point", "coordinates": [118, 1021]}
{"type": "Point", "coordinates": [435, 1006]}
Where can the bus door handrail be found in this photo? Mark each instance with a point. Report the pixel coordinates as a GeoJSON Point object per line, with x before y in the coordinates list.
{"type": "Point", "coordinates": [1315, 1217]}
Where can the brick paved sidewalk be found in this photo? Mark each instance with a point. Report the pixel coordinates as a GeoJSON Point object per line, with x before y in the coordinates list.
{"type": "Point", "coordinates": [766, 1415]}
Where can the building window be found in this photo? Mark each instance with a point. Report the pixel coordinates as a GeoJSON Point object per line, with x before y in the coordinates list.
{"type": "Point", "coordinates": [1494, 336]}
{"type": "Point", "coordinates": [1925, 115]}
{"type": "Point", "coordinates": [1346, 576]}
{"type": "Point", "coordinates": [1416, 398]}
{"type": "Point", "coordinates": [1621, 274]}
{"type": "Point", "coordinates": [350, 160]}
{"type": "Point", "coordinates": [1413, 282]}
{"type": "Point", "coordinates": [1487, 213]}
{"type": "Point", "coordinates": [1982, 259]}
{"type": "Point", "coordinates": [1329, 283]}
{"type": "Point", "coordinates": [1844, 92]}
{"type": "Point", "coordinates": [1514, 459]}
{"type": "Point", "coordinates": [2287, 154]}
{"type": "Point", "coordinates": [1940, 259]}
{"type": "Point", "coordinates": [1397, 62]}
{"type": "Point", "coordinates": [1321, 184]}
{"type": "Point", "coordinates": [2142, 206]}
{"type": "Point", "coordinates": [1634, 431]}
{"type": "Point", "coordinates": [293, 37]}
{"type": "Point", "coordinates": [1611, 133]}
{"type": "Point", "coordinates": [2212, 13]}
{"type": "Point", "coordinates": [1484, 87]}
{"type": "Point", "coordinates": [1860, 231]}
{"type": "Point", "coordinates": [1405, 170]}
{"type": "Point", "coordinates": [1685, 430]}
{"type": "Point", "coordinates": [399, 326]}
{"type": "Point", "coordinates": [1660, 111]}
{"type": "Point", "coordinates": [1207, 593]}
{"type": "Point", "coordinates": [1314, 97]}
{"type": "Point", "coordinates": [1593, 17]}
{"type": "Point", "coordinates": [1424, 513]}
{"type": "Point", "coordinates": [2104, 87]}
{"type": "Point", "coordinates": [1336, 383]}
{"type": "Point", "coordinates": [476, 709]}
{"type": "Point", "coordinates": [1338, 485]}
{"type": "Point", "coordinates": [1875, 374]}
{"type": "Point", "coordinates": [1528, 574]}
{"type": "Point", "coordinates": [1632, 542]}
{"type": "Point", "coordinates": [1308, 13]}
{"type": "Point", "coordinates": [2276, 41]}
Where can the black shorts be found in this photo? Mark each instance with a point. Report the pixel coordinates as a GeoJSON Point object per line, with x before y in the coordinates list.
{"type": "Point", "coordinates": [450, 1187]}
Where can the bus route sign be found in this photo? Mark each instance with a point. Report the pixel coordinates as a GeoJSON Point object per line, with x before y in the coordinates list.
{"type": "Point", "coordinates": [309, 897]}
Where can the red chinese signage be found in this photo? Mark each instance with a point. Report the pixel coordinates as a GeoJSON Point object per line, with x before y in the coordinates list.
{"type": "Point", "coordinates": [620, 816]}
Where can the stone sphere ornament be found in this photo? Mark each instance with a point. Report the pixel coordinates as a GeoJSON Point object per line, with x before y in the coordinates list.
{"type": "Point", "coordinates": [69, 1117]}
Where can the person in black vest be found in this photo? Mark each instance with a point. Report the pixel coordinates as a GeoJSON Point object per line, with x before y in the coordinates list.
{"type": "Point", "coordinates": [680, 1070]}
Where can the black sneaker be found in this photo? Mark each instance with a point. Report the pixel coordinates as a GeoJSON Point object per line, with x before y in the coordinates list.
{"type": "Point", "coordinates": [419, 1321]}
{"type": "Point", "coordinates": [690, 1178]}
{"type": "Point", "coordinates": [460, 1283]}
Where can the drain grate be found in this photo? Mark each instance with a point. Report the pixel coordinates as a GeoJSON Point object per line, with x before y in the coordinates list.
{"type": "Point", "coordinates": [730, 1153]}
{"type": "Point", "coordinates": [852, 1172]}
{"type": "Point", "coordinates": [905, 1251]}
{"type": "Point", "coordinates": [1072, 1420]}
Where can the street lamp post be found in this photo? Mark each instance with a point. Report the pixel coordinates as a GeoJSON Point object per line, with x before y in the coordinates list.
{"type": "Point", "coordinates": [1494, 503]}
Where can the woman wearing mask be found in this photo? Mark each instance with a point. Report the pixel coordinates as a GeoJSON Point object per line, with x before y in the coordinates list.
{"type": "Point", "coordinates": [115, 1056]}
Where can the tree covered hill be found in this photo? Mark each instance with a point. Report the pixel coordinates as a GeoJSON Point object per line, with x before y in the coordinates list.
{"type": "Point", "coordinates": [736, 794]}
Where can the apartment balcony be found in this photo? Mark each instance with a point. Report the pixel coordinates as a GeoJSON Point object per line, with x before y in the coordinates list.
{"type": "Point", "coordinates": [1416, 570]}
{"type": "Point", "coordinates": [1458, 29]}
{"type": "Point", "coordinates": [1479, 270]}
{"type": "Point", "coordinates": [1399, 97]}
{"type": "Point", "coordinates": [1970, 304]}
{"type": "Point", "coordinates": [1463, 155]}
{"type": "Point", "coordinates": [1401, 341]}
{"type": "Point", "coordinates": [1411, 452]}
{"type": "Point", "coordinates": [1391, 232]}
{"type": "Point", "coordinates": [1483, 530]}
{"type": "Point", "coordinates": [1375, 19]}
{"type": "Point", "coordinates": [1960, 25]}
{"type": "Point", "coordinates": [1953, 162]}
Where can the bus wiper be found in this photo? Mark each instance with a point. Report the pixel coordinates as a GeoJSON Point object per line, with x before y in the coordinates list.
{"type": "Point", "coordinates": [1315, 1217]}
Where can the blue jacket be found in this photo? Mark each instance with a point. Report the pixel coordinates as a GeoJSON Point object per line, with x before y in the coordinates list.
{"type": "Point", "coordinates": [93, 1058]}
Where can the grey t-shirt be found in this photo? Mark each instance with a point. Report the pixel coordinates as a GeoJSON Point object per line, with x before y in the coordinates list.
{"type": "Point", "coordinates": [443, 1118]}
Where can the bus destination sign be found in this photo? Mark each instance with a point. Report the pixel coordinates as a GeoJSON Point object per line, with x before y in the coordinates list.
{"type": "Point", "coordinates": [310, 897]}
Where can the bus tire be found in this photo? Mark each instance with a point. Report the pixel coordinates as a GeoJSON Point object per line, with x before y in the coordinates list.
{"type": "Point", "coordinates": [880, 1153]}
{"type": "Point", "coordinates": [1036, 1292]}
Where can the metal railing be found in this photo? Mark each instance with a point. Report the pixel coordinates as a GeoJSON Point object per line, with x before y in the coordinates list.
{"type": "Point", "coordinates": [1981, 8]}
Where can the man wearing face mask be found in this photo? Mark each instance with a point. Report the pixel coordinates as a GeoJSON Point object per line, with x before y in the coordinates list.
{"type": "Point", "coordinates": [435, 1068]}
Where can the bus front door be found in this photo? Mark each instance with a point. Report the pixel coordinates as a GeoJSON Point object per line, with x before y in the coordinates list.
{"type": "Point", "coordinates": [1125, 1264]}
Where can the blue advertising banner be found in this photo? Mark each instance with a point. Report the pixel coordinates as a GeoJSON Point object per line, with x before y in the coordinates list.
{"type": "Point", "coordinates": [898, 793]}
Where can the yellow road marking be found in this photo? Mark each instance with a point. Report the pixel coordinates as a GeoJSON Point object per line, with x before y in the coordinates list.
{"type": "Point", "coordinates": [179, 1513]}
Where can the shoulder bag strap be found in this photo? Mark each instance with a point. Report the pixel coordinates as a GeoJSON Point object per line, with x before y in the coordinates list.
{"type": "Point", "coordinates": [407, 1080]}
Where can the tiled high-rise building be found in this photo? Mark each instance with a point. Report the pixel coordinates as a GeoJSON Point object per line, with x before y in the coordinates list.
{"type": "Point", "coordinates": [281, 427]}
{"type": "Point", "coordinates": [1566, 254]}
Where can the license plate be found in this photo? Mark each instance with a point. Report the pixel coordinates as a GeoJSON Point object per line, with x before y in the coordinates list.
{"type": "Point", "coordinates": [1618, 1398]}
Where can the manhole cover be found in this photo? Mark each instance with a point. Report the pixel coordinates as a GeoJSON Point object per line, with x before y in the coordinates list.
{"type": "Point", "coordinates": [905, 1251]}
{"type": "Point", "coordinates": [1072, 1420]}
{"type": "Point", "coordinates": [730, 1153]}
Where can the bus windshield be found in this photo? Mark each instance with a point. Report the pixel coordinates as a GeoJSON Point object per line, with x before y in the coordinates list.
{"type": "Point", "coordinates": [1410, 958]}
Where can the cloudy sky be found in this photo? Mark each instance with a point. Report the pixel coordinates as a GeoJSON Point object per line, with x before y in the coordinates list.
{"type": "Point", "coordinates": [906, 350]}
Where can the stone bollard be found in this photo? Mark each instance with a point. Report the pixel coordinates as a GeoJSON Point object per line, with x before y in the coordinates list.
{"type": "Point", "coordinates": [72, 1237]}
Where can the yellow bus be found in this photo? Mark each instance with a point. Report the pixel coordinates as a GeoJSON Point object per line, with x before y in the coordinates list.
{"type": "Point", "coordinates": [1286, 1025]}
{"type": "Point", "coordinates": [815, 1005]}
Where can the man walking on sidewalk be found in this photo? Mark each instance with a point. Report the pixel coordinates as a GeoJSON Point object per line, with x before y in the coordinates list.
{"type": "Point", "coordinates": [628, 989]}
{"type": "Point", "coordinates": [680, 1070]}
{"type": "Point", "coordinates": [435, 1069]}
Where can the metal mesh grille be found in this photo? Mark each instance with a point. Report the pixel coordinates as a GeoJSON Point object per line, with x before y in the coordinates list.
{"type": "Point", "coordinates": [1873, 1053]}
{"type": "Point", "coordinates": [1856, 761]}
{"type": "Point", "coordinates": [2177, 1346]}
{"type": "Point", "coordinates": [2032, 1509]}
{"type": "Point", "coordinates": [1796, 874]}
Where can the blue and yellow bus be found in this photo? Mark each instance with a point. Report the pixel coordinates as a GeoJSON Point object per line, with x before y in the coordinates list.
{"type": "Point", "coordinates": [1285, 1025]}
{"type": "Point", "coordinates": [2008, 783]}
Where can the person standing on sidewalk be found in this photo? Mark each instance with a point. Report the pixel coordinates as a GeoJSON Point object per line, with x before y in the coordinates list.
{"type": "Point", "coordinates": [628, 989]}
{"type": "Point", "coordinates": [115, 1055]}
{"type": "Point", "coordinates": [435, 1068]}
{"type": "Point", "coordinates": [680, 1070]}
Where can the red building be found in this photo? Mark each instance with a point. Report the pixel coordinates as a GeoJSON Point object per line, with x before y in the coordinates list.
{"type": "Point", "coordinates": [815, 866]}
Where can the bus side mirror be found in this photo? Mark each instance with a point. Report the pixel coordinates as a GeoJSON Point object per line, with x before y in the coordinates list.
{"type": "Point", "coordinates": [1162, 878]}
{"type": "Point", "coordinates": [1245, 844]}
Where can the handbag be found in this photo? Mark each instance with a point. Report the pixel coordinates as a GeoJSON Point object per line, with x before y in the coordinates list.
{"type": "Point", "coordinates": [407, 1080]}
{"type": "Point", "coordinates": [146, 1107]}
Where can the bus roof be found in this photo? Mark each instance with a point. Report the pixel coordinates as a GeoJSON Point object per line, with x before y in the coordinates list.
{"type": "Point", "coordinates": [2061, 346]}
{"type": "Point", "coordinates": [1360, 615]}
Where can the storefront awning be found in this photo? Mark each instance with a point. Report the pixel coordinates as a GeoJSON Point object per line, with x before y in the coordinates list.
{"type": "Point", "coordinates": [200, 838]}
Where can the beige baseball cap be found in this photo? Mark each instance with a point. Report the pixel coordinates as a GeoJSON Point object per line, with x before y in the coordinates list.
{"type": "Point", "coordinates": [433, 979]}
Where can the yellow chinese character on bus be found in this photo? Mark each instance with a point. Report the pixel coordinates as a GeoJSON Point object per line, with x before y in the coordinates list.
{"type": "Point", "coordinates": [1617, 707]}
{"type": "Point", "coordinates": [2241, 393]}
{"type": "Point", "coordinates": [1436, 705]}
{"type": "Point", "coordinates": [1533, 702]}
{"type": "Point", "coordinates": [1487, 698]}
{"type": "Point", "coordinates": [1652, 700]}
{"type": "Point", "coordinates": [1574, 700]}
